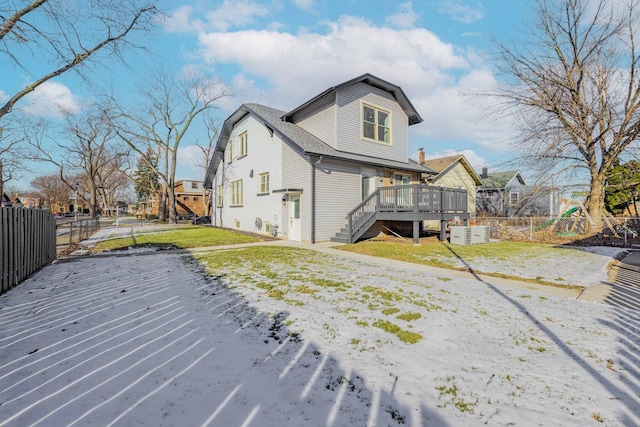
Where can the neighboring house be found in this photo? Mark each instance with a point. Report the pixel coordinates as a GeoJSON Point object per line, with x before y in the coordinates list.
{"type": "Point", "coordinates": [5, 202]}
{"type": "Point", "coordinates": [507, 194]}
{"type": "Point", "coordinates": [191, 199]}
{"type": "Point", "coordinates": [453, 172]}
{"type": "Point", "coordinates": [338, 161]}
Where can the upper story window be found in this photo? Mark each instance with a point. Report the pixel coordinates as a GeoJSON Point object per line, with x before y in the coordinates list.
{"type": "Point", "coordinates": [264, 183]}
{"type": "Point", "coordinates": [242, 145]}
{"type": "Point", "coordinates": [194, 185]}
{"type": "Point", "coordinates": [229, 152]}
{"type": "Point", "coordinates": [514, 198]}
{"type": "Point", "coordinates": [376, 124]}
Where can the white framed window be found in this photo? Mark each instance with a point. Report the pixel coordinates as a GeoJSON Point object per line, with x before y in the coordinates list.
{"type": "Point", "coordinates": [219, 198]}
{"type": "Point", "coordinates": [376, 124]}
{"type": "Point", "coordinates": [243, 144]}
{"type": "Point", "coordinates": [263, 183]}
{"type": "Point", "coordinates": [514, 198]}
{"type": "Point", "coordinates": [194, 185]}
{"type": "Point", "coordinates": [229, 152]}
{"type": "Point", "coordinates": [236, 193]}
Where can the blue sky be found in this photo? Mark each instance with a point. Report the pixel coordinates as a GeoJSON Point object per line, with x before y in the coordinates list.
{"type": "Point", "coordinates": [283, 52]}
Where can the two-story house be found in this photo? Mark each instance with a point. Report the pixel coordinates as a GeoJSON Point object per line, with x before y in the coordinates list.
{"type": "Point", "coordinates": [334, 168]}
{"type": "Point", "coordinates": [507, 194]}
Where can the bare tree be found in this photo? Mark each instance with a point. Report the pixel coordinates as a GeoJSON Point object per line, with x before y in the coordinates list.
{"type": "Point", "coordinates": [161, 124]}
{"type": "Point", "coordinates": [573, 86]}
{"type": "Point", "coordinates": [60, 36]}
{"type": "Point", "coordinates": [52, 191]}
{"type": "Point", "coordinates": [92, 155]}
{"type": "Point", "coordinates": [207, 149]}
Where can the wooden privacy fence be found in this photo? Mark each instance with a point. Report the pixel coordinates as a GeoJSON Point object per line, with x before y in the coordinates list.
{"type": "Point", "coordinates": [27, 243]}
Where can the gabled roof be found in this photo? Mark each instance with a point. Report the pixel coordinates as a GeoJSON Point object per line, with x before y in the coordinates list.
{"type": "Point", "coordinates": [500, 180]}
{"type": "Point", "coordinates": [442, 165]}
{"type": "Point", "coordinates": [296, 136]}
{"type": "Point", "coordinates": [396, 91]}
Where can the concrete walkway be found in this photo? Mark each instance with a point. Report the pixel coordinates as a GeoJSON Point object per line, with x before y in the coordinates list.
{"type": "Point", "coordinates": [623, 286]}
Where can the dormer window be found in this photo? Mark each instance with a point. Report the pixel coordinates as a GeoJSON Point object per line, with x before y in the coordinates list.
{"type": "Point", "coordinates": [376, 124]}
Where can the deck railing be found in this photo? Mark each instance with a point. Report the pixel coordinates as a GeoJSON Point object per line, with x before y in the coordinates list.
{"type": "Point", "coordinates": [404, 199]}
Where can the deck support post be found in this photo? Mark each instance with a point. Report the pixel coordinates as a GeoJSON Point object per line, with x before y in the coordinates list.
{"type": "Point", "coordinates": [443, 230]}
{"type": "Point", "coordinates": [416, 232]}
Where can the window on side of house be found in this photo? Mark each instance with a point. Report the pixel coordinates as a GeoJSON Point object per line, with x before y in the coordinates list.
{"type": "Point", "coordinates": [376, 124]}
{"type": "Point", "coordinates": [229, 151]}
{"type": "Point", "coordinates": [236, 193]}
{"type": "Point", "coordinates": [264, 183]}
{"type": "Point", "coordinates": [514, 198]}
{"type": "Point", "coordinates": [219, 198]}
{"type": "Point", "coordinates": [194, 185]}
{"type": "Point", "coordinates": [243, 144]}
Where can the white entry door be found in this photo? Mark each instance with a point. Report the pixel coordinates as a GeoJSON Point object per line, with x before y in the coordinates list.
{"type": "Point", "coordinates": [295, 228]}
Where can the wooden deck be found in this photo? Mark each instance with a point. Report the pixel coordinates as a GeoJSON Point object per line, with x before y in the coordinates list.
{"type": "Point", "coordinates": [414, 203]}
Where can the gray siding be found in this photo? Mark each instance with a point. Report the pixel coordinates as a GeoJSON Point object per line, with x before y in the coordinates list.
{"type": "Point", "coordinates": [296, 174]}
{"type": "Point", "coordinates": [349, 123]}
{"type": "Point", "coordinates": [337, 192]}
{"type": "Point", "coordinates": [322, 122]}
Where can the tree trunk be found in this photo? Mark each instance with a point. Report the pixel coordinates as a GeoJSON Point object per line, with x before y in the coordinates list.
{"type": "Point", "coordinates": [595, 203]}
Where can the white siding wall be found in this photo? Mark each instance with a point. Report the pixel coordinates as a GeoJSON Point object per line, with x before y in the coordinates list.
{"type": "Point", "coordinates": [349, 131]}
{"type": "Point", "coordinates": [263, 155]}
{"type": "Point", "coordinates": [322, 123]}
{"type": "Point", "coordinates": [338, 190]}
{"type": "Point", "coordinates": [297, 176]}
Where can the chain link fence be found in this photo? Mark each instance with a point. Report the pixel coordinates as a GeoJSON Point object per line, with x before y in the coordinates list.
{"type": "Point", "coordinates": [72, 232]}
{"type": "Point", "coordinates": [619, 232]}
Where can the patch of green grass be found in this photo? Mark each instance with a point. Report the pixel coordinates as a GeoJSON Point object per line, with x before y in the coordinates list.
{"type": "Point", "coordinates": [178, 237]}
{"type": "Point", "coordinates": [390, 311]}
{"type": "Point", "coordinates": [404, 336]}
{"type": "Point", "coordinates": [409, 316]}
{"type": "Point", "coordinates": [444, 255]}
{"type": "Point", "coordinates": [362, 323]}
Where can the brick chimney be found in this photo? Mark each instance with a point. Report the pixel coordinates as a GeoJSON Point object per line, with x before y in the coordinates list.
{"type": "Point", "coordinates": [421, 156]}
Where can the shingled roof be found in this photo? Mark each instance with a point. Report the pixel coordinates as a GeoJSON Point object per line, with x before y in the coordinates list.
{"type": "Point", "coordinates": [500, 180]}
{"type": "Point", "coordinates": [297, 137]}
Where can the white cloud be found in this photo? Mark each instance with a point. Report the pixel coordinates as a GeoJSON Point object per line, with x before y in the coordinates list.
{"type": "Point", "coordinates": [461, 12]}
{"type": "Point", "coordinates": [50, 99]}
{"type": "Point", "coordinates": [231, 13]}
{"type": "Point", "coordinates": [304, 4]}
{"type": "Point", "coordinates": [292, 68]}
{"type": "Point", "coordinates": [3, 96]}
{"type": "Point", "coordinates": [299, 66]}
{"type": "Point", "coordinates": [405, 17]}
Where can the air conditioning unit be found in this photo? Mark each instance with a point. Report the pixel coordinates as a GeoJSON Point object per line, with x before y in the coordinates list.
{"type": "Point", "coordinates": [460, 235]}
{"type": "Point", "coordinates": [479, 234]}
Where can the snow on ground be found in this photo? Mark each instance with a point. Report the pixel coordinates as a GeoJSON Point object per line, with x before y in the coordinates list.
{"type": "Point", "coordinates": [583, 266]}
{"type": "Point", "coordinates": [149, 340]}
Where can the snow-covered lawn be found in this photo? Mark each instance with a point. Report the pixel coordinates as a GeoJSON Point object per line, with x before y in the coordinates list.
{"type": "Point", "coordinates": [309, 339]}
